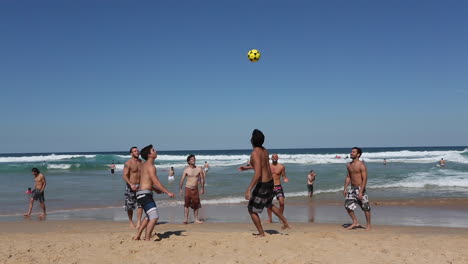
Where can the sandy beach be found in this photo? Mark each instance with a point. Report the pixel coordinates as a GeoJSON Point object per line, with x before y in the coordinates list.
{"type": "Point", "coordinates": [111, 242]}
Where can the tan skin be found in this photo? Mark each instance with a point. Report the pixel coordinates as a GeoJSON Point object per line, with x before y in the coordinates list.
{"type": "Point", "coordinates": [149, 181]}
{"type": "Point", "coordinates": [259, 162]}
{"type": "Point", "coordinates": [277, 170]}
{"type": "Point", "coordinates": [39, 184]}
{"type": "Point", "coordinates": [311, 180]}
{"type": "Point", "coordinates": [131, 175]}
{"type": "Point", "coordinates": [357, 176]}
{"type": "Point", "coordinates": [192, 173]}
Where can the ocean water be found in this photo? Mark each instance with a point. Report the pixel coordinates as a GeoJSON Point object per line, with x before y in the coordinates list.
{"type": "Point", "coordinates": [83, 180]}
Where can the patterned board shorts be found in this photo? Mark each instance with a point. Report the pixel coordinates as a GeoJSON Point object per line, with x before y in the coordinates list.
{"type": "Point", "coordinates": [37, 195]}
{"type": "Point", "coordinates": [262, 196]}
{"type": "Point", "coordinates": [145, 200]}
{"type": "Point", "coordinates": [130, 199]}
{"type": "Point", "coordinates": [278, 190]}
{"type": "Point", "coordinates": [352, 201]}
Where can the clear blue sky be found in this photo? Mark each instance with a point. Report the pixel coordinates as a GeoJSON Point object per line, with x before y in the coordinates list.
{"type": "Point", "coordinates": [106, 75]}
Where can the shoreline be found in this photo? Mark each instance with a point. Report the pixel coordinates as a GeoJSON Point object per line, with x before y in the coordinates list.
{"type": "Point", "coordinates": [111, 242]}
{"type": "Point", "coordinates": [434, 212]}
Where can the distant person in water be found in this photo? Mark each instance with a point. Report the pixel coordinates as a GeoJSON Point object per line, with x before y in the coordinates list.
{"type": "Point", "coordinates": [171, 176]}
{"type": "Point", "coordinates": [112, 167]}
{"type": "Point", "coordinates": [384, 161]}
{"type": "Point", "coordinates": [310, 183]}
{"type": "Point", "coordinates": [206, 167]}
{"type": "Point", "coordinates": [442, 162]}
{"type": "Point", "coordinates": [262, 183]}
{"type": "Point", "coordinates": [356, 195]}
{"type": "Point", "coordinates": [38, 192]}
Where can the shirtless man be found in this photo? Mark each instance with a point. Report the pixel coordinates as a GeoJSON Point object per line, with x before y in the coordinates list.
{"type": "Point", "coordinates": [38, 192]}
{"type": "Point", "coordinates": [148, 182]}
{"type": "Point", "coordinates": [262, 195]}
{"type": "Point", "coordinates": [206, 167]}
{"type": "Point", "coordinates": [442, 162]}
{"type": "Point", "coordinates": [356, 196]}
{"type": "Point", "coordinates": [310, 183]}
{"type": "Point", "coordinates": [131, 176]}
{"type": "Point", "coordinates": [277, 170]}
{"type": "Point", "coordinates": [112, 167]}
{"type": "Point", "coordinates": [171, 177]}
{"type": "Point", "coordinates": [194, 175]}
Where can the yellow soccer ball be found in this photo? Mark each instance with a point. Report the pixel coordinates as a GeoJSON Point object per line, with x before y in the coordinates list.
{"type": "Point", "coordinates": [253, 55]}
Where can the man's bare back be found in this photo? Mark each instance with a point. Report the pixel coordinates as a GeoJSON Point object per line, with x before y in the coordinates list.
{"type": "Point", "coordinates": [261, 156]}
{"type": "Point", "coordinates": [262, 194]}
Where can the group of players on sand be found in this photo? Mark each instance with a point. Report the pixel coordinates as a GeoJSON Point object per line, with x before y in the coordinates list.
{"type": "Point", "coordinates": [141, 180]}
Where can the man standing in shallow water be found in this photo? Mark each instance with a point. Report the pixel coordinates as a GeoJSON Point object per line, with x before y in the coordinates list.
{"type": "Point", "coordinates": [277, 171]}
{"type": "Point", "coordinates": [194, 175]}
{"type": "Point", "coordinates": [38, 192]}
{"type": "Point", "coordinates": [148, 182]}
{"type": "Point", "coordinates": [262, 195]}
{"type": "Point", "coordinates": [357, 176]}
{"type": "Point", "coordinates": [131, 176]}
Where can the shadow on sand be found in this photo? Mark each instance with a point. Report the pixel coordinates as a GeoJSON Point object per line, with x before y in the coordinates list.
{"type": "Point", "coordinates": [168, 234]}
{"type": "Point", "coordinates": [272, 232]}
{"type": "Point", "coordinates": [347, 225]}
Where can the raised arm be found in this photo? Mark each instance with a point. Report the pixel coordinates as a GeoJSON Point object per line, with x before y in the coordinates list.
{"type": "Point", "coordinates": [258, 173]}
{"type": "Point", "coordinates": [157, 183]}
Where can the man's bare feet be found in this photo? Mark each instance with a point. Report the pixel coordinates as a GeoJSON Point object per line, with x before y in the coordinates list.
{"type": "Point", "coordinates": [198, 222]}
{"type": "Point", "coordinates": [268, 221]}
{"type": "Point", "coordinates": [286, 226]}
{"type": "Point", "coordinates": [132, 225]}
{"type": "Point", "coordinates": [27, 215]}
{"type": "Point", "coordinates": [259, 235]}
{"type": "Point", "coordinates": [368, 228]}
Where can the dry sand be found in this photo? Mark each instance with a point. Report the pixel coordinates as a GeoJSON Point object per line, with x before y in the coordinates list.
{"type": "Point", "coordinates": [110, 242]}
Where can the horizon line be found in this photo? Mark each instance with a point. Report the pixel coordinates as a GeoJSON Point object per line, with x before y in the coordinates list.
{"type": "Point", "coordinates": [113, 151]}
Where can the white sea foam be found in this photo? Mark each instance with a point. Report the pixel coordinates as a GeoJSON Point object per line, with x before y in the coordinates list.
{"type": "Point", "coordinates": [434, 177]}
{"type": "Point", "coordinates": [61, 166]}
{"type": "Point", "coordinates": [42, 158]}
{"type": "Point", "coordinates": [404, 156]}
